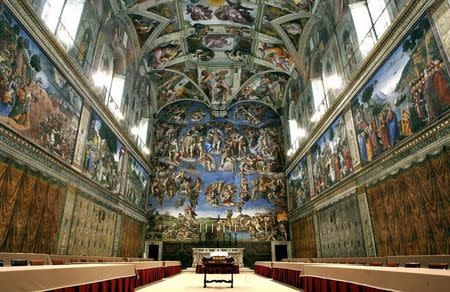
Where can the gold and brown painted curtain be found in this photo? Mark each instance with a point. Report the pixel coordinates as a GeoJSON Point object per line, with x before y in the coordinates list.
{"type": "Point", "coordinates": [131, 237]}
{"type": "Point", "coordinates": [410, 212]}
{"type": "Point", "coordinates": [303, 238]}
{"type": "Point", "coordinates": [31, 207]}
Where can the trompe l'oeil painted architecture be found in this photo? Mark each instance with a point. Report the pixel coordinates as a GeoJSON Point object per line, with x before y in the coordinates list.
{"type": "Point", "coordinates": [133, 125]}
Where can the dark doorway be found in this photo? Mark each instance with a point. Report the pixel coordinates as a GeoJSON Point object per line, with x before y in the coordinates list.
{"type": "Point", "coordinates": [280, 252]}
{"type": "Point", "coordinates": [153, 251]}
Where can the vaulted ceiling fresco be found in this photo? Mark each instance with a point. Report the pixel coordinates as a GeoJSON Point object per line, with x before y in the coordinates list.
{"type": "Point", "coordinates": [215, 50]}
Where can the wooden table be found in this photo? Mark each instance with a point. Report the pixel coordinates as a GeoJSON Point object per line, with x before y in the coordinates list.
{"type": "Point", "coordinates": [217, 268]}
{"type": "Point", "coordinates": [50, 277]}
{"type": "Point", "coordinates": [379, 278]}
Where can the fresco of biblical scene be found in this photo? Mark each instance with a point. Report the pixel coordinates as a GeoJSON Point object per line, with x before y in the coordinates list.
{"type": "Point", "coordinates": [267, 87]}
{"type": "Point", "coordinates": [167, 10]}
{"type": "Point", "coordinates": [163, 54]}
{"type": "Point", "coordinates": [275, 54]}
{"type": "Point", "coordinates": [36, 100]}
{"type": "Point", "coordinates": [231, 12]}
{"type": "Point", "coordinates": [136, 183]}
{"type": "Point", "coordinates": [171, 86]}
{"type": "Point", "coordinates": [298, 184]}
{"type": "Point", "coordinates": [323, 29]}
{"type": "Point", "coordinates": [408, 92]}
{"type": "Point", "coordinates": [294, 30]}
{"type": "Point", "coordinates": [331, 159]}
{"type": "Point", "coordinates": [144, 27]}
{"type": "Point", "coordinates": [219, 43]}
{"type": "Point", "coordinates": [271, 13]}
{"type": "Point", "coordinates": [292, 5]}
{"type": "Point", "coordinates": [104, 155]}
{"type": "Point", "coordinates": [216, 84]}
{"type": "Point", "coordinates": [208, 167]}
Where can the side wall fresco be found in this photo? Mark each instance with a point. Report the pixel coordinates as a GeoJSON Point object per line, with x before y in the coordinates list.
{"type": "Point", "coordinates": [400, 117]}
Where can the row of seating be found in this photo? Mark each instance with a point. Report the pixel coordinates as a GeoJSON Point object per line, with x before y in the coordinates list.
{"type": "Point", "coordinates": [32, 259]}
{"type": "Point", "coordinates": [419, 261]}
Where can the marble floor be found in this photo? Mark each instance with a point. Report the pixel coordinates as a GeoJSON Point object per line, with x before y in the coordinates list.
{"type": "Point", "coordinates": [189, 281]}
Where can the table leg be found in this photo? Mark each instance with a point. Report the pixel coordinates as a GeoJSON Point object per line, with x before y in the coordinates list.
{"type": "Point", "coordinates": [232, 279]}
{"type": "Point", "coordinates": [204, 278]}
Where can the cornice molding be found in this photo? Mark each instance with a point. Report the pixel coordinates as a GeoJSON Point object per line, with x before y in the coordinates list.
{"type": "Point", "coordinates": [428, 142]}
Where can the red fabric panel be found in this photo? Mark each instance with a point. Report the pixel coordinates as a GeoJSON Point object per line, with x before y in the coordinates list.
{"type": "Point", "coordinates": [314, 284]}
{"type": "Point", "coordinates": [263, 271]}
{"type": "Point", "coordinates": [289, 277]}
{"type": "Point", "coordinates": [172, 270]}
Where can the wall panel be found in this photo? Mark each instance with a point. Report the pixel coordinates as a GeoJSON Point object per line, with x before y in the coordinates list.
{"type": "Point", "coordinates": [30, 210]}
{"type": "Point", "coordinates": [303, 240]}
{"type": "Point", "coordinates": [131, 237]}
{"type": "Point", "coordinates": [410, 212]}
{"type": "Point", "coordinates": [92, 230]}
{"type": "Point", "coordinates": [340, 229]}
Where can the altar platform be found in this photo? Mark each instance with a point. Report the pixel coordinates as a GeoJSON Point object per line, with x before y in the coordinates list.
{"type": "Point", "coordinates": [235, 252]}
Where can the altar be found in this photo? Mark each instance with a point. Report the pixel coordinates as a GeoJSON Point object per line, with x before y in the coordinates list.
{"type": "Point", "coordinates": [234, 252]}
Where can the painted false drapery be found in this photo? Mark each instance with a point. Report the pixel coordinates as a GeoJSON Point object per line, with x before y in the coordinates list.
{"type": "Point", "coordinates": [31, 208]}
{"type": "Point", "coordinates": [409, 212]}
{"type": "Point", "coordinates": [36, 100]}
{"type": "Point", "coordinates": [303, 239]}
{"type": "Point", "coordinates": [131, 237]}
{"type": "Point", "coordinates": [92, 229]}
{"type": "Point", "coordinates": [340, 229]}
{"type": "Point", "coordinates": [208, 167]}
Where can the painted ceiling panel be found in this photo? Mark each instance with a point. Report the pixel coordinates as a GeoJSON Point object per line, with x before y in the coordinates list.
{"type": "Point", "coordinates": [219, 44]}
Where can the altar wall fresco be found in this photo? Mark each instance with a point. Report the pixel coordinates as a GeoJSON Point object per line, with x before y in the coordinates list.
{"type": "Point", "coordinates": [208, 167]}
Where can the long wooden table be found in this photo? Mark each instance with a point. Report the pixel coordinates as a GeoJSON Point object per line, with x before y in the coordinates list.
{"type": "Point", "coordinates": [382, 278]}
{"type": "Point", "coordinates": [51, 277]}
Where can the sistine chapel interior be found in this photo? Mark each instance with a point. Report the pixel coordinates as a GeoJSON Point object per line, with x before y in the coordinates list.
{"type": "Point", "coordinates": [151, 145]}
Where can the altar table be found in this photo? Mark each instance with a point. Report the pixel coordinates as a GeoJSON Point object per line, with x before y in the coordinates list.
{"type": "Point", "coordinates": [199, 253]}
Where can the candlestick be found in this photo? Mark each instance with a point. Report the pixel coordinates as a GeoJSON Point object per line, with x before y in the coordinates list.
{"type": "Point", "coordinates": [234, 227]}
{"type": "Point", "coordinates": [206, 227]}
{"type": "Point", "coordinates": [200, 228]}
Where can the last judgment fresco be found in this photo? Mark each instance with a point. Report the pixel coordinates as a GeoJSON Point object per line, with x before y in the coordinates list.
{"type": "Point", "coordinates": [218, 178]}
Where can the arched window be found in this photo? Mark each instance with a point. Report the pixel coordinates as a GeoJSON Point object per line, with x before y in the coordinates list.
{"type": "Point", "coordinates": [62, 17]}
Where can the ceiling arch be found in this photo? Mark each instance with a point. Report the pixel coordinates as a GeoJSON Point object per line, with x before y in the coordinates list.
{"type": "Point", "coordinates": [219, 43]}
